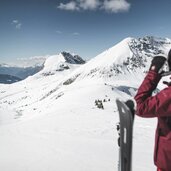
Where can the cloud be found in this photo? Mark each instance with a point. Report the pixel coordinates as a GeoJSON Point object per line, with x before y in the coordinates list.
{"type": "Point", "coordinates": [71, 6]}
{"type": "Point", "coordinates": [33, 58]}
{"type": "Point", "coordinates": [113, 6]}
{"type": "Point", "coordinates": [17, 24]}
{"type": "Point", "coordinates": [75, 34]}
{"type": "Point", "coordinates": [58, 32]}
{"type": "Point", "coordinates": [15, 21]}
{"type": "Point", "coordinates": [116, 5]}
{"type": "Point", "coordinates": [89, 4]}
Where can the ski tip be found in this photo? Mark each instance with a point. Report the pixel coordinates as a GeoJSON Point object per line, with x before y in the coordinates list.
{"type": "Point", "coordinates": [129, 103]}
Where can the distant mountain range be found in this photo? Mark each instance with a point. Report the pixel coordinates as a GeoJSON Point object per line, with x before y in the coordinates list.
{"type": "Point", "coordinates": [8, 79]}
{"type": "Point", "coordinates": [17, 73]}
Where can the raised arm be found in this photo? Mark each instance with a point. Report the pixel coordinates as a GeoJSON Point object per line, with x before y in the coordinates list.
{"type": "Point", "coordinates": [160, 104]}
{"type": "Point", "coordinates": [153, 106]}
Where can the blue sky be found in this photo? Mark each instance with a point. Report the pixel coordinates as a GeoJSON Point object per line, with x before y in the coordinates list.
{"type": "Point", "coordinates": [86, 27]}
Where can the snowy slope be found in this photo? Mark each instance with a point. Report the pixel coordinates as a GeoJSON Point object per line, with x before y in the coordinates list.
{"type": "Point", "coordinates": [49, 121]}
{"type": "Point", "coordinates": [130, 56]}
{"type": "Point", "coordinates": [40, 86]}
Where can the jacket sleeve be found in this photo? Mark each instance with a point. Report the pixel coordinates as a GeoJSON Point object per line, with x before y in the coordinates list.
{"type": "Point", "coordinates": [153, 106]}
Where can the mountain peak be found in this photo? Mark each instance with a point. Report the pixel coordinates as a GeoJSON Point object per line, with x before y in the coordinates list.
{"type": "Point", "coordinates": [63, 61]}
{"type": "Point", "coordinates": [63, 57]}
{"type": "Point", "coordinates": [72, 59]}
{"type": "Point", "coordinates": [128, 56]}
{"type": "Point", "coordinates": [150, 46]}
{"type": "Point", "coordinates": [152, 39]}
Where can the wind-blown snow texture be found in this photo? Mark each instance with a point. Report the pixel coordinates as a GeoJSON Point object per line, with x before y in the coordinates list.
{"type": "Point", "coordinates": [49, 121]}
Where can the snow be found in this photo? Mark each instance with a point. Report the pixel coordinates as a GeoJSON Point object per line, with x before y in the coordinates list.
{"type": "Point", "coordinates": [48, 125]}
{"type": "Point", "coordinates": [114, 55]}
{"type": "Point", "coordinates": [50, 61]}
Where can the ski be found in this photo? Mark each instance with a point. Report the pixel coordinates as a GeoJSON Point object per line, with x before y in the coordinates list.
{"type": "Point", "coordinates": [125, 128]}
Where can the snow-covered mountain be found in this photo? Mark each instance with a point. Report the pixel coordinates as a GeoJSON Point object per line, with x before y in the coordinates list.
{"type": "Point", "coordinates": [30, 66]}
{"type": "Point", "coordinates": [126, 57]}
{"type": "Point", "coordinates": [50, 120]}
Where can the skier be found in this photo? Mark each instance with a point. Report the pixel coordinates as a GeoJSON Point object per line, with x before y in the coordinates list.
{"type": "Point", "coordinates": [158, 106]}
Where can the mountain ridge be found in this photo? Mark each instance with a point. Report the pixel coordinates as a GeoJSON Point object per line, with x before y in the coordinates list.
{"type": "Point", "coordinates": [57, 62]}
{"type": "Point", "coordinates": [129, 55]}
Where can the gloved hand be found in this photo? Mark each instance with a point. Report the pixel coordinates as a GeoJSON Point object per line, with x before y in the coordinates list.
{"type": "Point", "coordinates": [157, 64]}
{"type": "Point", "coordinates": [169, 60]}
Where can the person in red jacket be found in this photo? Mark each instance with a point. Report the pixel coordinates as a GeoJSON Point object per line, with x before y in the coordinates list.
{"type": "Point", "coordinates": [159, 106]}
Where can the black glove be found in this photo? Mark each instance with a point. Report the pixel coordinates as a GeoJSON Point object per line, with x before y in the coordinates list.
{"type": "Point", "coordinates": [157, 64]}
{"type": "Point", "coordinates": [169, 60]}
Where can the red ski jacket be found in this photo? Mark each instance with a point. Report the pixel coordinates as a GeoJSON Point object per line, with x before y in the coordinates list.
{"type": "Point", "coordinates": [158, 106]}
